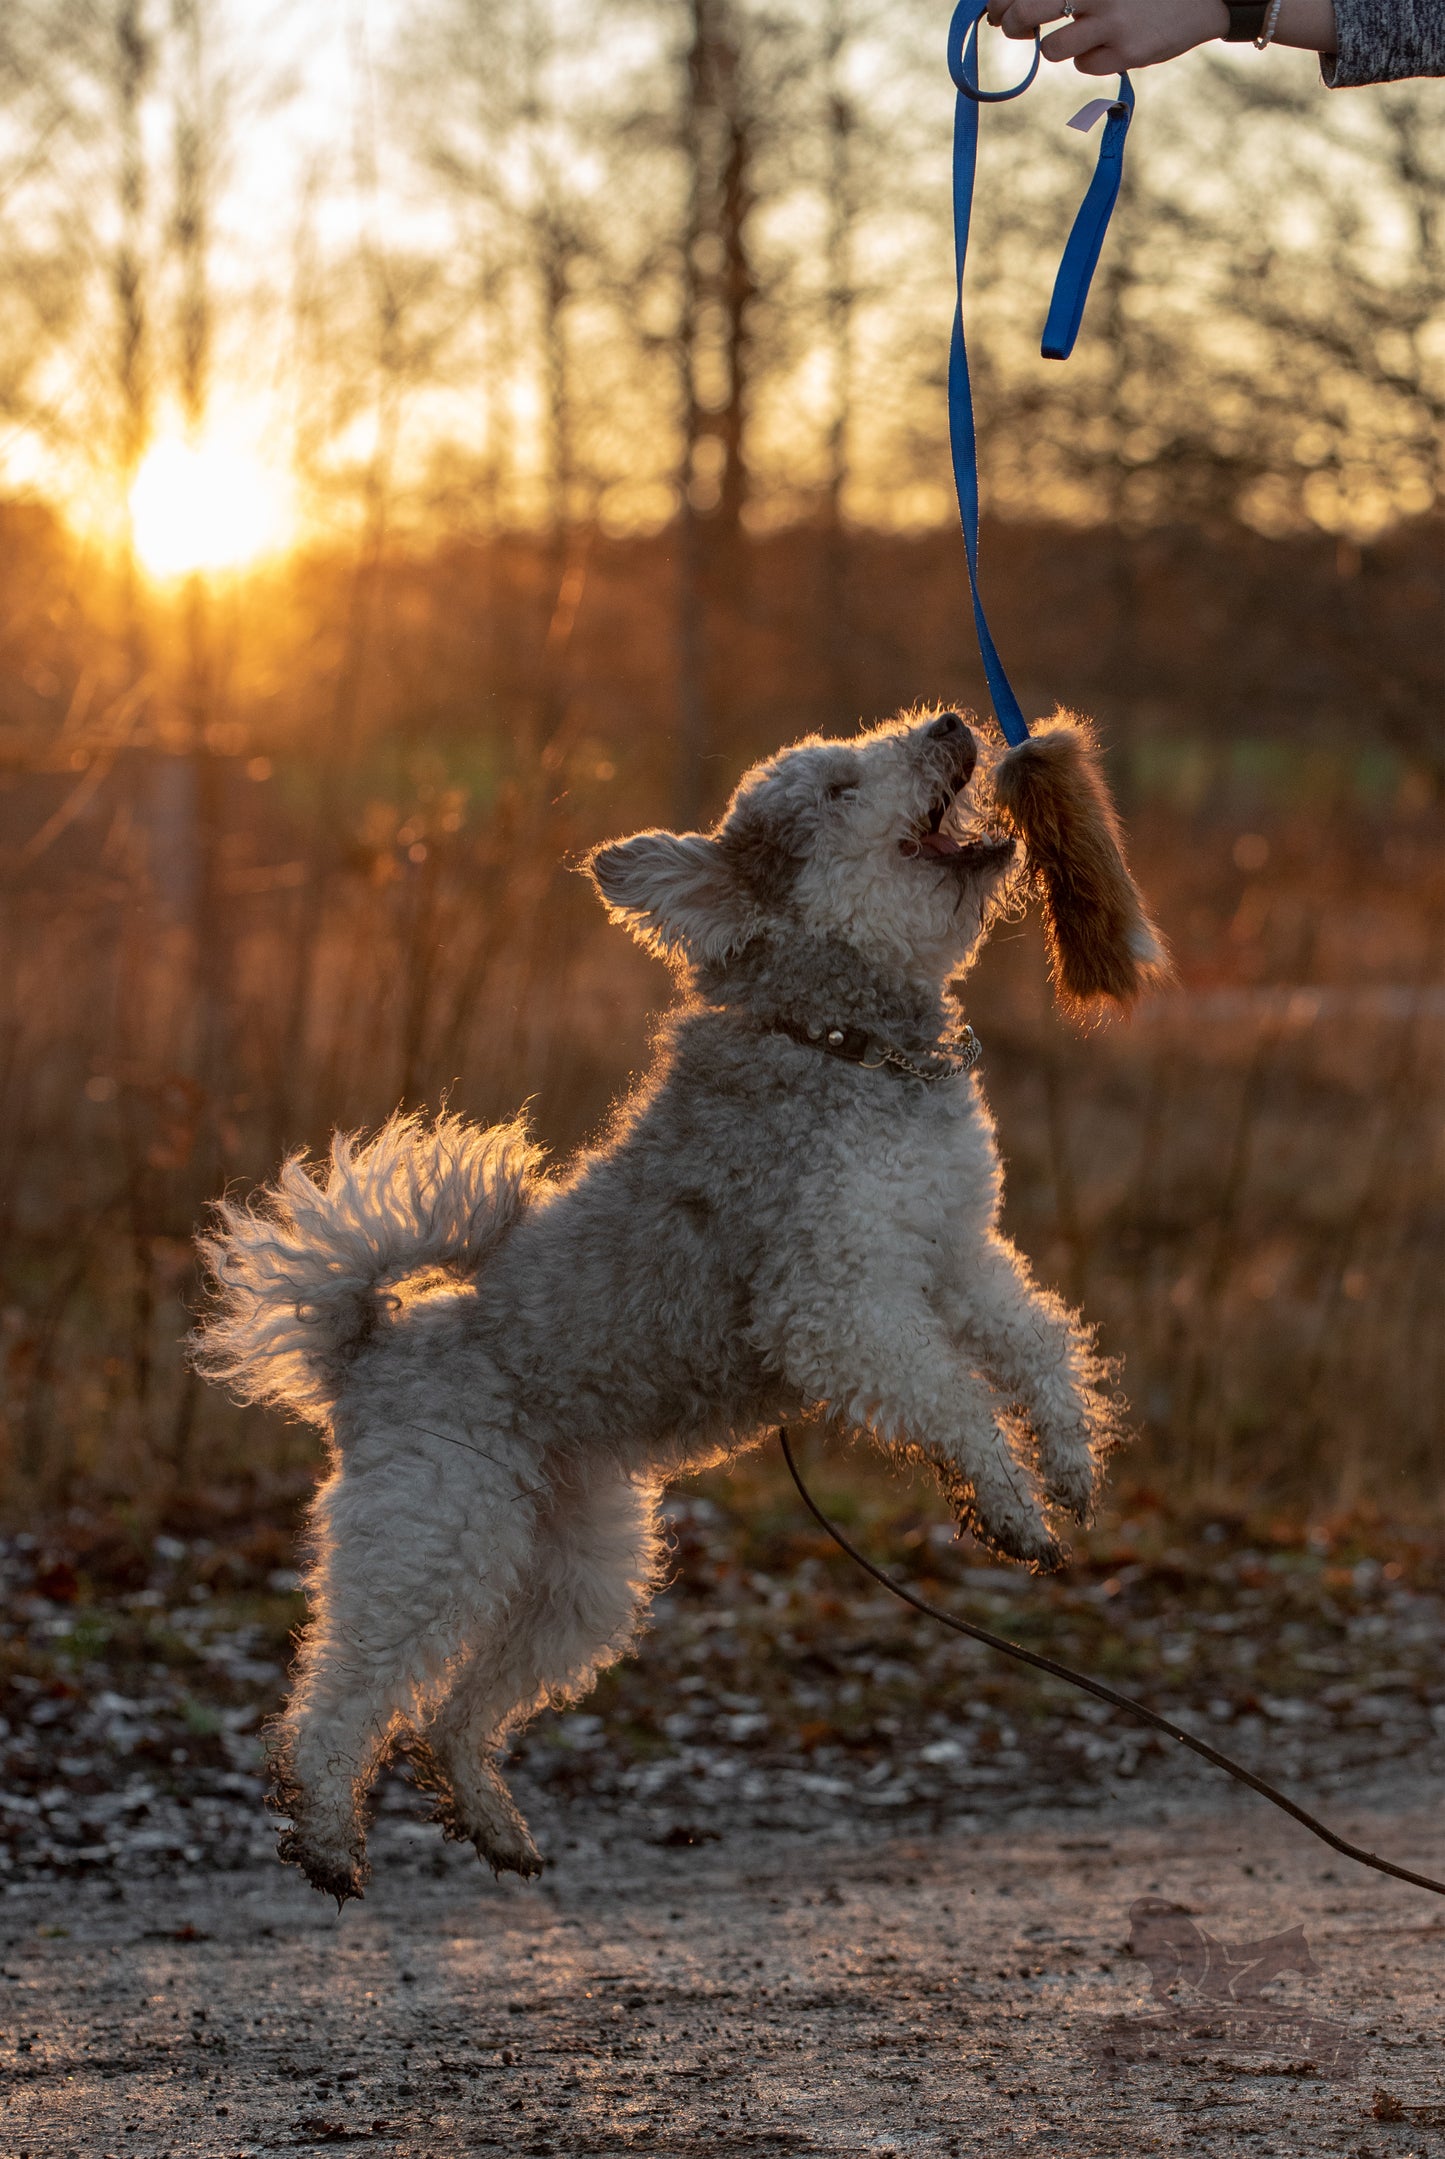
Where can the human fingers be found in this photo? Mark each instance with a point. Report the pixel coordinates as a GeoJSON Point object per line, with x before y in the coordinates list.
{"type": "Point", "coordinates": [1079, 36]}
{"type": "Point", "coordinates": [1021, 18]}
{"type": "Point", "coordinates": [1103, 60]}
{"type": "Point", "coordinates": [1108, 36]}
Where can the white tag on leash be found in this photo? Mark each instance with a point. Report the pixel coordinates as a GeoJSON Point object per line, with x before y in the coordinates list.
{"type": "Point", "coordinates": [1091, 114]}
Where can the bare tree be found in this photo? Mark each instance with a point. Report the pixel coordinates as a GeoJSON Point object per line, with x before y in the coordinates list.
{"type": "Point", "coordinates": [854, 177]}
{"type": "Point", "coordinates": [368, 334]}
{"type": "Point", "coordinates": [740, 74]}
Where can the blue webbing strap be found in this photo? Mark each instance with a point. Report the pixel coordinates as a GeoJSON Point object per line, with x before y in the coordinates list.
{"type": "Point", "coordinates": [1071, 290]}
{"type": "Point", "coordinates": [1081, 253]}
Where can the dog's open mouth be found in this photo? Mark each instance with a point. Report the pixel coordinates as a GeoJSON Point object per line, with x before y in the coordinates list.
{"type": "Point", "coordinates": [946, 837]}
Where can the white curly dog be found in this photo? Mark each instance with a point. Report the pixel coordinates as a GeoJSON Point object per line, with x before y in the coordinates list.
{"type": "Point", "coordinates": [797, 1212]}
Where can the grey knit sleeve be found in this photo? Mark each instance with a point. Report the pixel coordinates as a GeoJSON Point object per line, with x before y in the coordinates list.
{"type": "Point", "coordinates": [1385, 41]}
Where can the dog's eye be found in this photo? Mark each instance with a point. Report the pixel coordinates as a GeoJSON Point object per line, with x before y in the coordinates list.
{"type": "Point", "coordinates": [840, 788]}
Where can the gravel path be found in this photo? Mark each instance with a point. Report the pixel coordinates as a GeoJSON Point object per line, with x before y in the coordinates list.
{"type": "Point", "coordinates": [846, 1991]}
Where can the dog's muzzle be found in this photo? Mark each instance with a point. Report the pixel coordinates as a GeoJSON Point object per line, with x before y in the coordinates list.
{"type": "Point", "coordinates": [974, 851]}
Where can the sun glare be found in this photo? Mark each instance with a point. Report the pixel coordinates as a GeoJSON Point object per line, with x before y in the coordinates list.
{"type": "Point", "coordinates": [210, 505]}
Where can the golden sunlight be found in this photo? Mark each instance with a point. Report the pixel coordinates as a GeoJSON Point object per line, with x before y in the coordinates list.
{"type": "Point", "coordinates": [210, 505]}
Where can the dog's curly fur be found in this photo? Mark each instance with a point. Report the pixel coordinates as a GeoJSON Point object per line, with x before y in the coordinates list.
{"type": "Point", "coordinates": [508, 1364]}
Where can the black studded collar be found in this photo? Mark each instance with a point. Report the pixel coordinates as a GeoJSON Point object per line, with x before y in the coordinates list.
{"type": "Point", "coordinates": [855, 1046]}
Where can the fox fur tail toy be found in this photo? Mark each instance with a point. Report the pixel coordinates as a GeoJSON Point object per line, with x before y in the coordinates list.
{"type": "Point", "coordinates": [1103, 948]}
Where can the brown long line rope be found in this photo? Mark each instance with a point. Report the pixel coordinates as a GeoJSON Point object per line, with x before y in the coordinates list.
{"type": "Point", "coordinates": [1096, 1687]}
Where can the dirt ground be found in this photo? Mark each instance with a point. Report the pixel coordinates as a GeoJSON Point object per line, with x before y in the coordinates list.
{"type": "Point", "coordinates": [854, 1989]}
{"type": "Point", "coordinates": [795, 1902]}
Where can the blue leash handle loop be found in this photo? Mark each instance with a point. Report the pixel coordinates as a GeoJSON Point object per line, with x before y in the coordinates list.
{"type": "Point", "coordinates": [1066, 310]}
{"type": "Point", "coordinates": [963, 48]}
{"type": "Point", "coordinates": [1081, 250]}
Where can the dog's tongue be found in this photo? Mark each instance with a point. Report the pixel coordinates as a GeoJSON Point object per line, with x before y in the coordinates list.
{"type": "Point", "coordinates": [939, 843]}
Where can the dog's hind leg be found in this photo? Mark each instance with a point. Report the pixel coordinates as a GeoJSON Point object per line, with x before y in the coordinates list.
{"type": "Point", "coordinates": [408, 1572]}
{"type": "Point", "coordinates": [453, 1757]}
{"type": "Point", "coordinates": [595, 1565]}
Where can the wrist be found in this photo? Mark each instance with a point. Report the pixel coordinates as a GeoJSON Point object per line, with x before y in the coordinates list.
{"type": "Point", "coordinates": [1308, 24]}
{"type": "Point", "coordinates": [1209, 20]}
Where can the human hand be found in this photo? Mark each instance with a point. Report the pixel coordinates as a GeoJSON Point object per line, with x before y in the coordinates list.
{"type": "Point", "coordinates": [1104, 37]}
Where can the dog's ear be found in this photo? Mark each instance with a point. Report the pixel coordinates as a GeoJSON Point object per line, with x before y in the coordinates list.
{"type": "Point", "coordinates": [676, 892]}
{"type": "Point", "coordinates": [1102, 945]}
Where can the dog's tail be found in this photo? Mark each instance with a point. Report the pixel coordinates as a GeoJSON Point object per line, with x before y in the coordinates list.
{"type": "Point", "coordinates": [297, 1272]}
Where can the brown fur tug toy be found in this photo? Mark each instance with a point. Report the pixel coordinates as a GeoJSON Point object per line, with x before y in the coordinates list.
{"type": "Point", "coordinates": [1102, 945]}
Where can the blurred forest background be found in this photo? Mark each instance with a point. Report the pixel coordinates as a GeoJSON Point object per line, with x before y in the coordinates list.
{"type": "Point", "coordinates": [483, 430]}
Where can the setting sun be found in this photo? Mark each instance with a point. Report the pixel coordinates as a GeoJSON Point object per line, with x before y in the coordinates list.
{"type": "Point", "coordinates": [212, 505]}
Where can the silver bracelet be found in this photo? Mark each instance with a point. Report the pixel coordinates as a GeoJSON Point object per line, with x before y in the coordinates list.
{"type": "Point", "coordinates": [1271, 21]}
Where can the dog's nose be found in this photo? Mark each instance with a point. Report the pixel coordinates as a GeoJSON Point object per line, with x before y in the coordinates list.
{"type": "Point", "coordinates": [949, 728]}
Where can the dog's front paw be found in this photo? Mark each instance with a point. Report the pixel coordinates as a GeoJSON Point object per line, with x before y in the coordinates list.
{"type": "Point", "coordinates": [1072, 1443]}
{"type": "Point", "coordinates": [1071, 1483]}
{"type": "Point", "coordinates": [1041, 1552]}
{"type": "Point", "coordinates": [994, 1498]}
{"type": "Point", "coordinates": [1015, 1534]}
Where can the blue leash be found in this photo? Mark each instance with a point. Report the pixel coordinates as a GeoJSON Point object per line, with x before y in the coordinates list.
{"type": "Point", "coordinates": [1066, 309]}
